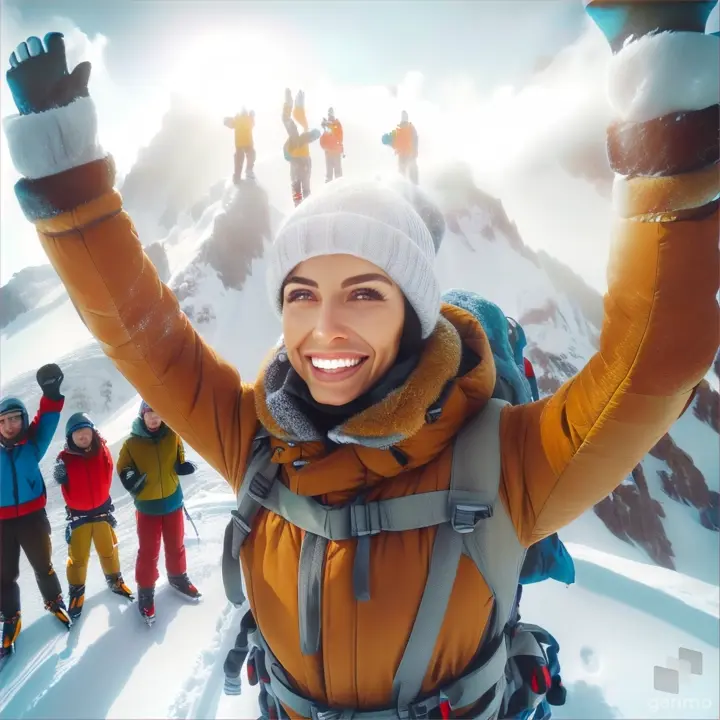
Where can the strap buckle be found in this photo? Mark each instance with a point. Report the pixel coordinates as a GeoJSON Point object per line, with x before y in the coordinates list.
{"type": "Point", "coordinates": [433, 414]}
{"type": "Point", "coordinates": [326, 714]}
{"type": "Point", "coordinates": [365, 519]}
{"type": "Point", "coordinates": [241, 530]}
{"type": "Point", "coordinates": [260, 486]}
{"type": "Point", "coordinates": [465, 517]}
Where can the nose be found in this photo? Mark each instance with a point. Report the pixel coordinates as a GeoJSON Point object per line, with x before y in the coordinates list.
{"type": "Point", "coordinates": [329, 325]}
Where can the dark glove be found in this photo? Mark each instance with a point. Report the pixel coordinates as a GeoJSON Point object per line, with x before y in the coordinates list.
{"type": "Point", "coordinates": [49, 378]}
{"type": "Point", "coordinates": [38, 77]}
{"type": "Point", "coordinates": [60, 472]}
{"type": "Point", "coordinates": [132, 480]}
{"type": "Point", "coordinates": [185, 468]}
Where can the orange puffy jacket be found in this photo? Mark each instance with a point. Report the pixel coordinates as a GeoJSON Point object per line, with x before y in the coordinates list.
{"type": "Point", "coordinates": [404, 140]}
{"type": "Point", "coordinates": [559, 456]}
{"type": "Point", "coordinates": [332, 140]}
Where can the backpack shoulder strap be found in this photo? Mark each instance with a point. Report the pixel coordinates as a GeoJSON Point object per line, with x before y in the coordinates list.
{"type": "Point", "coordinates": [238, 529]}
{"type": "Point", "coordinates": [471, 500]}
{"type": "Point", "coordinates": [260, 471]}
{"type": "Point", "coordinates": [474, 487]}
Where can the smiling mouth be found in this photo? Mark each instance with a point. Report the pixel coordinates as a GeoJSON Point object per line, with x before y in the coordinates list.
{"type": "Point", "coordinates": [335, 368]}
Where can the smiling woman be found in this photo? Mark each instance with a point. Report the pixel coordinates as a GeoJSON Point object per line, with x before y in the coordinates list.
{"type": "Point", "coordinates": [221, 71]}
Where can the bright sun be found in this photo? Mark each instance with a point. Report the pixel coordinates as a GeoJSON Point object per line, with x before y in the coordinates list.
{"type": "Point", "coordinates": [221, 72]}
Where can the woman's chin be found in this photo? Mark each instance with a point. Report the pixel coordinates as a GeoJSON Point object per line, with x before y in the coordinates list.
{"type": "Point", "coordinates": [336, 397]}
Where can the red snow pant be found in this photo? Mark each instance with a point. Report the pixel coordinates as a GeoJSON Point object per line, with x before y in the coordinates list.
{"type": "Point", "coordinates": [151, 529]}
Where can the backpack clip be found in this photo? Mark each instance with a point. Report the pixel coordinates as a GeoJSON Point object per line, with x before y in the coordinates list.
{"type": "Point", "coordinates": [328, 714]}
{"type": "Point", "coordinates": [466, 517]}
{"type": "Point", "coordinates": [418, 711]}
{"type": "Point", "coordinates": [365, 519]}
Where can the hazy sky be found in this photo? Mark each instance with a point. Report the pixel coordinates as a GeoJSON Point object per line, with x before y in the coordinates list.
{"type": "Point", "coordinates": [366, 42]}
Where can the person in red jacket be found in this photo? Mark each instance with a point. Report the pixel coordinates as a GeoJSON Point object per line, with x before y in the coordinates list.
{"type": "Point", "coordinates": [84, 470]}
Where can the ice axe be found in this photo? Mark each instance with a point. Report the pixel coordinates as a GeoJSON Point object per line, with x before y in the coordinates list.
{"type": "Point", "coordinates": [187, 515]}
{"type": "Point", "coordinates": [620, 19]}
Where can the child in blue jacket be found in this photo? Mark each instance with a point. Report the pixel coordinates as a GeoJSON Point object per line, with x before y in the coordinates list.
{"type": "Point", "coordinates": [23, 521]}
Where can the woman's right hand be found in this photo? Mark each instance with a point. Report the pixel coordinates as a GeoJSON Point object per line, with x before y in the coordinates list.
{"type": "Point", "coordinates": [38, 76]}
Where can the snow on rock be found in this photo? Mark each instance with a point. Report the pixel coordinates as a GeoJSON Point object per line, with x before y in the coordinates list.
{"type": "Point", "coordinates": [632, 515]}
{"type": "Point", "coordinates": [176, 170]}
{"type": "Point", "coordinates": [25, 291]}
{"type": "Point", "coordinates": [707, 406]}
{"type": "Point", "coordinates": [684, 482]}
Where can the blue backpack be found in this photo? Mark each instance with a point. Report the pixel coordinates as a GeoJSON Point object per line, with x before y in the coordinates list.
{"type": "Point", "coordinates": [533, 677]}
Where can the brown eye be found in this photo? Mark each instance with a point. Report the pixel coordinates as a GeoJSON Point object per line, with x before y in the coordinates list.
{"type": "Point", "coordinates": [295, 295]}
{"type": "Point", "coordinates": [367, 294]}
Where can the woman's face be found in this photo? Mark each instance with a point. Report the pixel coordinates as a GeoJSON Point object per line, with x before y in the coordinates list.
{"type": "Point", "coordinates": [342, 322]}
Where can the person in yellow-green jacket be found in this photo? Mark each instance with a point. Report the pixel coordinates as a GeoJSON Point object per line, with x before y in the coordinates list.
{"type": "Point", "coordinates": [297, 146]}
{"type": "Point", "coordinates": [150, 464]}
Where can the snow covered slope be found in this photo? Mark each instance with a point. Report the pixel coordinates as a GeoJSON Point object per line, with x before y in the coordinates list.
{"type": "Point", "coordinates": [624, 615]}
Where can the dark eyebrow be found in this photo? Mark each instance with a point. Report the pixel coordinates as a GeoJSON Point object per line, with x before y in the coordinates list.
{"type": "Point", "coordinates": [297, 280]}
{"type": "Point", "coordinates": [368, 277]}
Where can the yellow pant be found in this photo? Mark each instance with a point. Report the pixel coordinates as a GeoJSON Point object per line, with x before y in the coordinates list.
{"type": "Point", "coordinates": [105, 540]}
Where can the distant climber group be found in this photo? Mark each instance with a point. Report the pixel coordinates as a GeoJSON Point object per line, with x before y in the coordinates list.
{"type": "Point", "coordinates": [149, 465]}
{"type": "Point", "coordinates": [296, 149]}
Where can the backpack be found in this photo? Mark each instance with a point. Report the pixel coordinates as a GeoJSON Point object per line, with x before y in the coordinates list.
{"type": "Point", "coordinates": [470, 521]}
{"type": "Point", "coordinates": [548, 560]}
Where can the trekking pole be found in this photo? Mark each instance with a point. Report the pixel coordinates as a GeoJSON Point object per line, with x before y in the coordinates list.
{"type": "Point", "coordinates": [187, 515]}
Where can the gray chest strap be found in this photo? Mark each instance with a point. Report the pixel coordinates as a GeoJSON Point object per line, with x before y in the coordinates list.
{"type": "Point", "coordinates": [470, 520]}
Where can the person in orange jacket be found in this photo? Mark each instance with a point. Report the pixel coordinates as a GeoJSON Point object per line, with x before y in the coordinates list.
{"type": "Point", "coordinates": [404, 141]}
{"type": "Point", "coordinates": [331, 141]}
{"type": "Point", "coordinates": [243, 124]}
{"type": "Point", "coordinates": [84, 471]}
{"type": "Point", "coordinates": [364, 398]}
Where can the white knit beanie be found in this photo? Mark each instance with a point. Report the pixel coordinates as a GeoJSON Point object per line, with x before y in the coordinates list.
{"type": "Point", "coordinates": [368, 220]}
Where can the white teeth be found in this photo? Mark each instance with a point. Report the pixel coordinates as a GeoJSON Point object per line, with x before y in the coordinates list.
{"type": "Point", "coordinates": [334, 364]}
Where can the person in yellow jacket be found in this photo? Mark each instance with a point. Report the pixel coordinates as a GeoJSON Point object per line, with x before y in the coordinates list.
{"type": "Point", "coordinates": [368, 352]}
{"type": "Point", "coordinates": [150, 464]}
{"type": "Point", "coordinates": [243, 124]}
{"type": "Point", "coordinates": [297, 146]}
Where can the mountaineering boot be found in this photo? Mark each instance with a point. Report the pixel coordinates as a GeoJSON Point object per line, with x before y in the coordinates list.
{"type": "Point", "coordinates": [76, 596]}
{"type": "Point", "coordinates": [182, 584]}
{"type": "Point", "coordinates": [117, 585]}
{"type": "Point", "coordinates": [58, 609]}
{"type": "Point", "coordinates": [146, 604]}
{"type": "Point", "coordinates": [250, 175]}
{"type": "Point", "coordinates": [10, 631]}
